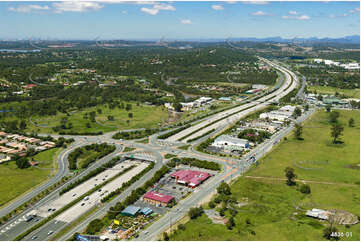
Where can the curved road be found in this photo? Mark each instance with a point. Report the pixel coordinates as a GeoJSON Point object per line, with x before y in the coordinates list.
{"type": "Point", "coordinates": [62, 171]}
{"type": "Point", "coordinates": [232, 115]}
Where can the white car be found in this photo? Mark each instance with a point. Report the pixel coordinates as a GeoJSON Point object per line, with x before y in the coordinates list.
{"type": "Point", "coordinates": [50, 232]}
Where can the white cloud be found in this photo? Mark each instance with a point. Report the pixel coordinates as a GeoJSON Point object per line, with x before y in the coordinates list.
{"type": "Point", "coordinates": [231, 2]}
{"type": "Point", "coordinates": [355, 10]}
{"type": "Point", "coordinates": [151, 11]}
{"type": "Point", "coordinates": [260, 13]}
{"type": "Point", "coordinates": [186, 21]}
{"type": "Point", "coordinates": [292, 12]}
{"type": "Point", "coordinates": [256, 2]}
{"type": "Point", "coordinates": [158, 7]}
{"type": "Point", "coordinates": [300, 17]}
{"type": "Point", "coordinates": [74, 6]}
{"type": "Point", "coordinates": [338, 16]}
{"type": "Point", "coordinates": [144, 2]}
{"type": "Point", "coordinates": [217, 7]}
{"type": "Point", "coordinates": [28, 8]}
{"type": "Point", "coordinates": [124, 12]}
{"type": "Point", "coordinates": [165, 7]}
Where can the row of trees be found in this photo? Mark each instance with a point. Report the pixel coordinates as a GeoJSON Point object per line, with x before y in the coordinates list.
{"type": "Point", "coordinates": [254, 135]}
{"type": "Point", "coordinates": [210, 165]}
{"type": "Point", "coordinates": [100, 150]}
{"type": "Point", "coordinates": [136, 134]}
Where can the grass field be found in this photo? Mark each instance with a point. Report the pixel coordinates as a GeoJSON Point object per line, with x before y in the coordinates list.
{"type": "Point", "coordinates": [351, 93]}
{"type": "Point", "coordinates": [15, 181]}
{"type": "Point", "coordinates": [276, 211]}
{"type": "Point", "coordinates": [143, 117]}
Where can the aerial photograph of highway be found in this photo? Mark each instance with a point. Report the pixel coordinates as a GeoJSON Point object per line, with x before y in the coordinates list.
{"type": "Point", "coordinates": [179, 120]}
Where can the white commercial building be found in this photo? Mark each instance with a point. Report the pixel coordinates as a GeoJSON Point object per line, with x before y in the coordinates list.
{"type": "Point", "coordinates": [187, 106]}
{"type": "Point", "coordinates": [228, 142]}
{"type": "Point", "coordinates": [351, 66]}
{"type": "Point", "coordinates": [281, 114]}
{"type": "Point", "coordinates": [318, 213]}
{"type": "Point", "coordinates": [203, 100]}
{"type": "Point", "coordinates": [259, 86]}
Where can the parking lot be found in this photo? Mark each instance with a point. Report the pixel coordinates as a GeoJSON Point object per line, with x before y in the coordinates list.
{"type": "Point", "coordinates": [168, 186]}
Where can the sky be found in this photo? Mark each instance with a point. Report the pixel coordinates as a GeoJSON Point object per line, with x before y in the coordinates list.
{"type": "Point", "coordinates": [114, 19]}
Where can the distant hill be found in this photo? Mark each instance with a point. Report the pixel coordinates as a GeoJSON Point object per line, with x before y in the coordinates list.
{"type": "Point", "coordinates": [352, 39]}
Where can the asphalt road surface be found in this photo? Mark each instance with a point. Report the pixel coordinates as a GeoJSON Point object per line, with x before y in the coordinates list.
{"type": "Point", "coordinates": [290, 83]}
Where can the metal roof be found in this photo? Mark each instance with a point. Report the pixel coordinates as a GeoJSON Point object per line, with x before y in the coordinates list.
{"type": "Point", "coordinates": [131, 210]}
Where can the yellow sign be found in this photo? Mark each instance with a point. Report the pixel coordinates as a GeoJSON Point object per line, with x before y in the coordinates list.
{"type": "Point", "coordinates": [116, 221]}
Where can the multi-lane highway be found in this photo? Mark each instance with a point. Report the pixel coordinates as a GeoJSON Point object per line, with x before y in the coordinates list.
{"type": "Point", "coordinates": [233, 115]}
{"type": "Point", "coordinates": [16, 225]}
{"type": "Point", "coordinates": [88, 202]}
{"type": "Point", "coordinates": [232, 168]}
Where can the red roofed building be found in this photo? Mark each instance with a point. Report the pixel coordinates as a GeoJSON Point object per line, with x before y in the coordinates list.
{"type": "Point", "coordinates": [156, 198]}
{"type": "Point", "coordinates": [190, 178]}
{"type": "Point", "coordinates": [29, 86]}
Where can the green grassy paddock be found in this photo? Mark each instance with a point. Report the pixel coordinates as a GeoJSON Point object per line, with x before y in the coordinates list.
{"type": "Point", "coordinates": [15, 181]}
{"type": "Point", "coordinates": [276, 211]}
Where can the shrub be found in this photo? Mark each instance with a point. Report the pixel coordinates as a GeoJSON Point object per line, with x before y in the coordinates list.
{"type": "Point", "coordinates": [194, 213]}
{"type": "Point", "coordinates": [211, 204]}
{"type": "Point", "coordinates": [305, 189]}
{"type": "Point", "coordinates": [22, 163]}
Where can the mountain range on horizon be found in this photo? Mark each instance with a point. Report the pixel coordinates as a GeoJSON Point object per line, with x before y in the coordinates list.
{"type": "Point", "coordinates": [352, 39]}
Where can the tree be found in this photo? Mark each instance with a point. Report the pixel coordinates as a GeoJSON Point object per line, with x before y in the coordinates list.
{"type": "Point", "coordinates": [99, 111]}
{"type": "Point", "coordinates": [22, 125]}
{"type": "Point", "coordinates": [336, 131]}
{"type": "Point", "coordinates": [177, 106]}
{"type": "Point", "coordinates": [92, 116]}
{"type": "Point", "coordinates": [351, 122]}
{"type": "Point", "coordinates": [224, 188]}
{"type": "Point", "coordinates": [88, 125]}
{"type": "Point", "coordinates": [211, 204]}
{"type": "Point", "coordinates": [94, 226]}
{"type": "Point", "coordinates": [290, 175]}
{"type": "Point", "coordinates": [22, 163]}
{"type": "Point", "coordinates": [110, 117]}
{"type": "Point", "coordinates": [307, 107]}
{"type": "Point", "coordinates": [181, 227]}
{"type": "Point", "coordinates": [230, 223]}
{"type": "Point", "coordinates": [305, 189]}
{"type": "Point", "coordinates": [328, 108]}
{"type": "Point", "coordinates": [128, 107]}
{"type": "Point", "coordinates": [334, 116]}
{"type": "Point", "coordinates": [298, 131]}
{"type": "Point", "coordinates": [165, 236]}
{"type": "Point", "coordinates": [297, 112]}
{"type": "Point", "coordinates": [194, 213]}
{"type": "Point", "coordinates": [130, 115]}
{"type": "Point", "coordinates": [327, 233]}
